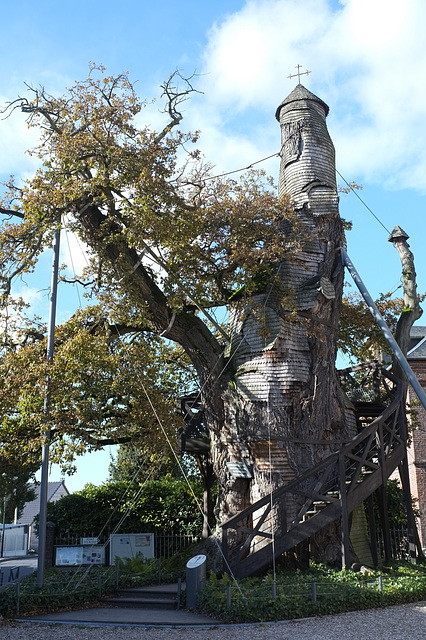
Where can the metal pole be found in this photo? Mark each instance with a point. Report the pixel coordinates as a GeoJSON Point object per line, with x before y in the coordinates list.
{"type": "Point", "coordinates": [4, 526]}
{"type": "Point", "coordinates": [45, 450]}
{"type": "Point", "coordinates": [384, 328]}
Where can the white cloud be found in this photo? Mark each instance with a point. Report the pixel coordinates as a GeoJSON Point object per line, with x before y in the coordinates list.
{"type": "Point", "coordinates": [30, 295]}
{"type": "Point", "coordinates": [15, 134]}
{"type": "Point", "coordinates": [73, 252]}
{"type": "Point", "coordinates": [368, 62]}
{"type": "Point", "coordinates": [253, 51]}
{"type": "Point", "coordinates": [16, 138]}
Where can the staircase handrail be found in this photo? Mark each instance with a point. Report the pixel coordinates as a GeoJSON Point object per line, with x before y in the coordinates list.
{"type": "Point", "coordinates": [358, 439]}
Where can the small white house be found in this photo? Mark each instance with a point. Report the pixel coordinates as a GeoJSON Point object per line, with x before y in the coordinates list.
{"type": "Point", "coordinates": [55, 491]}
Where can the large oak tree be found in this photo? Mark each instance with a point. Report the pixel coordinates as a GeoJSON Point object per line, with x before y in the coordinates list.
{"type": "Point", "coordinates": [169, 244]}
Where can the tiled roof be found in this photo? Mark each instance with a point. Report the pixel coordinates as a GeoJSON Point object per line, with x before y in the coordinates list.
{"type": "Point", "coordinates": [417, 347]}
{"type": "Point", "coordinates": [418, 331]}
{"type": "Point", "coordinates": [55, 490]}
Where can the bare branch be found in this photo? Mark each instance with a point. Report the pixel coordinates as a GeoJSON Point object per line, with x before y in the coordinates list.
{"type": "Point", "coordinates": [175, 96]}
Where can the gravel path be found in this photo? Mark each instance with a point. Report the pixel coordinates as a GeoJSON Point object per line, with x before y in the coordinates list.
{"type": "Point", "coordinates": [395, 623]}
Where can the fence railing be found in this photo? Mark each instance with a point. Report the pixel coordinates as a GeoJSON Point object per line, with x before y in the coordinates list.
{"type": "Point", "coordinates": [62, 590]}
{"type": "Point", "coordinates": [165, 544]}
{"type": "Point", "coordinates": [400, 549]}
{"type": "Point", "coordinates": [330, 490]}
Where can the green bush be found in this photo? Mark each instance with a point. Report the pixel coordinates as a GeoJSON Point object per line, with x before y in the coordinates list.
{"type": "Point", "coordinates": [138, 572]}
{"type": "Point", "coordinates": [164, 505]}
{"type": "Point", "coordinates": [251, 600]}
{"type": "Point", "coordinates": [62, 589]}
{"type": "Point", "coordinates": [336, 592]}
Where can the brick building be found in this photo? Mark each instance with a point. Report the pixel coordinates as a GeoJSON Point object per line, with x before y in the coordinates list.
{"type": "Point", "coordinates": [416, 357]}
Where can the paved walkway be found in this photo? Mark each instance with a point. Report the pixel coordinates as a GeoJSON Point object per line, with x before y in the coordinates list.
{"type": "Point", "coordinates": [107, 615]}
{"type": "Point", "coordinates": [405, 622]}
{"type": "Point", "coordinates": [26, 564]}
{"type": "Point", "coordinates": [122, 617]}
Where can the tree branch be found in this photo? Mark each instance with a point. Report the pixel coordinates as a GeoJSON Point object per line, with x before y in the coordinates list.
{"type": "Point", "coordinates": [12, 212]}
{"type": "Point", "coordinates": [175, 96]}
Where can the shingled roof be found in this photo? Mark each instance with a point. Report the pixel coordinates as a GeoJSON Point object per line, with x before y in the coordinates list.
{"type": "Point", "coordinates": [417, 347]}
{"type": "Point", "coordinates": [301, 93]}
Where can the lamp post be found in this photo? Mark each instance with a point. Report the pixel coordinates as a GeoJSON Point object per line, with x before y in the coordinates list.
{"type": "Point", "coordinates": [45, 450]}
{"type": "Point", "coordinates": [3, 478]}
{"type": "Point", "coordinates": [4, 526]}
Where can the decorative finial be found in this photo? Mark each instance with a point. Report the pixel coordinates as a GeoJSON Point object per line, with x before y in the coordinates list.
{"type": "Point", "coordinates": [398, 234]}
{"type": "Point", "coordinates": [299, 73]}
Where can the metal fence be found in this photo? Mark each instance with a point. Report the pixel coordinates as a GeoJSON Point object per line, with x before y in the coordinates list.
{"type": "Point", "coordinates": [400, 549]}
{"type": "Point", "coordinates": [165, 544]}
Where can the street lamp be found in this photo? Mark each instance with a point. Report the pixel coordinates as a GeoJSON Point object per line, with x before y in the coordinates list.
{"type": "Point", "coordinates": [4, 526]}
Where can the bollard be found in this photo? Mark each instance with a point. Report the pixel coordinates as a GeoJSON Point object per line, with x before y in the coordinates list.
{"type": "Point", "coordinates": [117, 573]}
{"type": "Point", "coordinates": [18, 591]}
{"type": "Point", "coordinates": [179, 593]}
{"type": "Point", "coordinates": [228, 596]}
{"type": "Point", "coordinates": [195, 576]}
{"type": "Point", "coordinates": [314, 591]}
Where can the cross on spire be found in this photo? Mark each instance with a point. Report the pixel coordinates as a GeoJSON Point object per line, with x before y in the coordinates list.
{"type": "Point", "coordinates": [299, 73]}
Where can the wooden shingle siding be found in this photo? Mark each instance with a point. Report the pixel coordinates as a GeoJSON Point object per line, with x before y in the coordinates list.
{"type": "Point", "coordinates": [279, 361]}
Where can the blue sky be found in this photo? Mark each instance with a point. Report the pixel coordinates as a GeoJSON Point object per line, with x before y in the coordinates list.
{"type": "Point", "coordinates": [368, 63]}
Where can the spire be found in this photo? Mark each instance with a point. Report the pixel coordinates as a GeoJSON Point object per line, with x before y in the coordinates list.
{"type": "Point", "coordinates": [301, 93]}
{"type": "Point", "coordinates": [307, 169]}
{"type": "Point", "coordinates": [398, 234]}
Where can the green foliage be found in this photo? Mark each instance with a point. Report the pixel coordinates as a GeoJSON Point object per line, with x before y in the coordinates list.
{"type": "Point", "coordinates": [62, 589]}
{"type": "Point", "coordinates": [210, 235]}
{"type": "Point", "coordinates": [251, 600]}
{"type": "Point", "coordinates": [134, 463]}
{"type": "Point", "coordinates": [14, 487]}
{"type": "Point", "coordinates": [101, 390]}
{"type": "Point", "coordinates": [165, 239]}
{"type": "Point", "coordinates": [359, 336]}
{"type": "Point", "coordinates": [139, 572]}
{"type": "Point", "coordinates": [397, 511]}
{"type": "Point", "coordinates": [164, 505]}
{"type": "Point", "coordinates": [336, 592]}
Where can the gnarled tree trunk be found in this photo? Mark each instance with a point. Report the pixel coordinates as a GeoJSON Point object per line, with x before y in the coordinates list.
{"type": "Point", "coordinates": [282, 410]}
{"type": "Point", "coordinates": [272, 401]}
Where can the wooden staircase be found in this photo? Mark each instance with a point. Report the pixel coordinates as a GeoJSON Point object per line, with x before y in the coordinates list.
{"type": "Point", "coordinates": [329, 491]}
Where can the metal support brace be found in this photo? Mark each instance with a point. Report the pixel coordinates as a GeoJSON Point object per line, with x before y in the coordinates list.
{"type": "Point", "coordinates": [384, 328]}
